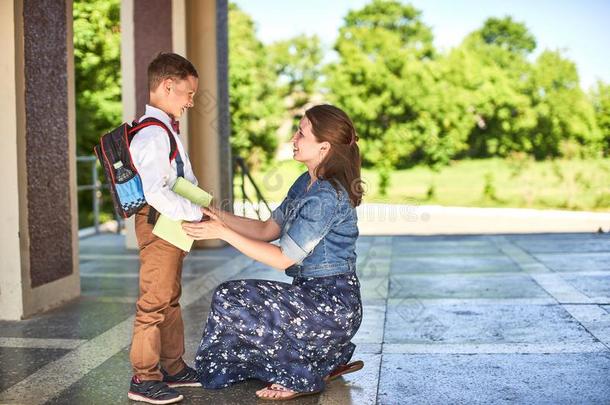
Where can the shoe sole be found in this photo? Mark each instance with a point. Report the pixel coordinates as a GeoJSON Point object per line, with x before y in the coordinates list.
{"type": "Point", "coordinates": [141, 398]}
{"type": "Point", "coordinates": [176, 385]}
{"type": "Point", "coordinates": [348, 368]}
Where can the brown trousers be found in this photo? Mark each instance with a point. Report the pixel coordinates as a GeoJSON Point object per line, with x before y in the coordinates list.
{"type": "Point", "coordinates": [158, 332]}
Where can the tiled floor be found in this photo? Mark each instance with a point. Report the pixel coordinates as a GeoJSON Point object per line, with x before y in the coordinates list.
{"type": "Point", "coordinates": [447, 319]}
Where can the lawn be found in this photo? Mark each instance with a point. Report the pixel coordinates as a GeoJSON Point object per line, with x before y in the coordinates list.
{"type": "Point", "coordinates": [517, 183]}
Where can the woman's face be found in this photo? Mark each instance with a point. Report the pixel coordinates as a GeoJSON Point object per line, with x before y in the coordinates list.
{"type": "Point", "coordinates": [305, 146]}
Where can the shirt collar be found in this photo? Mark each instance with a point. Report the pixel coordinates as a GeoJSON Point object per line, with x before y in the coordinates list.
{"type": "Point", "coordinates": [159, 114]}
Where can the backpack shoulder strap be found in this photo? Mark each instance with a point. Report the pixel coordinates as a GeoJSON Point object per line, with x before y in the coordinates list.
{"type": "Point", "coordinates": [173, 148]}
{"type": "Point", "coordinates": [137, 126]}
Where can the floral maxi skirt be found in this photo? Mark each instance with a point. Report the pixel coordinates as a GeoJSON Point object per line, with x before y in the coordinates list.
{"type": "Point", "coordinates": [289, 334]}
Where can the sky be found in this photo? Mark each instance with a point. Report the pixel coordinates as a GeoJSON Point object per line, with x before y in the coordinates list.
{"type": "Point", "coordinates": [580, 28]}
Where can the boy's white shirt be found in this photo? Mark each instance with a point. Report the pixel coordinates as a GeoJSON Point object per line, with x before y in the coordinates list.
{"type": "Point", "coordinates": [150, 154]}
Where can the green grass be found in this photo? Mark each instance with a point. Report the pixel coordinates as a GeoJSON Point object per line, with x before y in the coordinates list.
{"type": "Point", "coordinates": [517, 183]}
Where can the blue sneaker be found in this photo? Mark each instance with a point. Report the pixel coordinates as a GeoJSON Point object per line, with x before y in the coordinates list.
{"type": "Point", "coordinates": [152, 392]}
{"type": "Point", "coordinates": [185, 378]}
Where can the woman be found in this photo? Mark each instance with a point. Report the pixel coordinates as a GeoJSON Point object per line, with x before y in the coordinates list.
{"type": "Point", "coordinates": [294, 336]}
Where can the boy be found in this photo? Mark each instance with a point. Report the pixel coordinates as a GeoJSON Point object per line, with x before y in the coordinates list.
{"type": "Point", "coordinates": [158, 336]}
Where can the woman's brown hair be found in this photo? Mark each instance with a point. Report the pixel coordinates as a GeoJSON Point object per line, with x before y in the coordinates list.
{"type": "Point", "coordinates": [341, 165]}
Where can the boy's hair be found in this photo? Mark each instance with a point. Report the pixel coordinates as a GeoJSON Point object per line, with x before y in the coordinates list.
{"type": "Point", "coordinates": [169, 65]}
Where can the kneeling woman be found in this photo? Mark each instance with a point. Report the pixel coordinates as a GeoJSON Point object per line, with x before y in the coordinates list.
{"type": "Point", "coordinates": [294, 336]}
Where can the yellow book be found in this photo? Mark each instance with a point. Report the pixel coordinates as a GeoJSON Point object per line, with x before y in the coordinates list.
{"type": "Point", "coordinates": [170, 230]}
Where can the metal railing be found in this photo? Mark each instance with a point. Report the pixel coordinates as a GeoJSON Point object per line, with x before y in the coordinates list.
{"type": "Point", "coordinates": [240, 164]}
{"type": "Point", "coordinates": [96, 187]}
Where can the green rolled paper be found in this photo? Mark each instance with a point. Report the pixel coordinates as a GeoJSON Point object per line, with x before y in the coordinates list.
{"type": "Point", "coordinates": [191, 192]}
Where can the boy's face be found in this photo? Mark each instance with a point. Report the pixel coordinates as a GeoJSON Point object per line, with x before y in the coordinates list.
{"type": "Point", "coordinates": [180, 94]}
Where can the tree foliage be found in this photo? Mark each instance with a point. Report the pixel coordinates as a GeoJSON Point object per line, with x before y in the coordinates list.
{"type": "Point", "coordinates": [255, 105]}
{"type": "Point", "coordinates": [410, 103]}
{"type": "Point", "coordinates": [564, 115]}
{"type": "Point", "coordinates": [388, 79]}
{"type": "Point", "coordinates": [297, 63]}
{"type": "Point", "coordinates": [520, 106]}
{"type": "Point", "coordinates": [97, 70]}
{"type": "Point", "coordinates": [600, 99]}
{"type": "Point", "coordinates": [97, 77]}
{"type": "Point", "coordinates": [508, 34]}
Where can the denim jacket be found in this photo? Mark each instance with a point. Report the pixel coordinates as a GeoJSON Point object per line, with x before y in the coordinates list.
{"type": "Point", "coordinates": [319, 229]}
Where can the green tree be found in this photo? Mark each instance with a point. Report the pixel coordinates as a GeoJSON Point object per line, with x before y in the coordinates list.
{"type": "Point", "coordinates": [498, 84]}
{"type": "Point", "coordinates": [389, 79]}
{"type": "Point", "coordinates": [537, 108]}
{"type": "Point", "coordinates": [382, 78]}
{"type": "Point", "coordinates": [388, 16]}
{"type": "Point", "coordinates": [508, 34]}
{"type": "Point", "coordinates": [97, 70]}
{"type": "Point", "coordinates": [297, 63]}
{"type": "Point", "coordinates": [254, 103]}
{"type": "Point", "coordinates": [564, 115]}
{"type": "Point", "coordinates": [600, 98]}
{"type": "Point", "coordinates": [97, 77]}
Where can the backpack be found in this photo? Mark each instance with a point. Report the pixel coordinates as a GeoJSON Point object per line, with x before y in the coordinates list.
{"type": "Point", "coordinates": [121, 174]}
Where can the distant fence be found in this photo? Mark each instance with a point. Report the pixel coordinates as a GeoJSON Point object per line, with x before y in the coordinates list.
{"type": "Point", "coordinates": [95, 187]}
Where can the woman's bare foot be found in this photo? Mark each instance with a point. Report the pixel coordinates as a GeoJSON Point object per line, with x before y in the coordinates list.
{"type": "Point", "coordinates": [275, 391]}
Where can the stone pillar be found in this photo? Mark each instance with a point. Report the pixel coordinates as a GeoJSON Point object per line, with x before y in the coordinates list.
{"type": "Point", "coordinates": [141, 41]}
{"type": "Point", "coordinates": [210, 151]}
{"type": "Point", "coordinates": [146, 30]}
{"type": "Point", "coordinates": [179, 47]}
{"type": "Point", "coordinates": [38, 211]}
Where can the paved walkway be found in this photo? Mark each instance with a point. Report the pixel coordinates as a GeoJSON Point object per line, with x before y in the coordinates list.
{"type": "Point", "coordinates": [448, 319]}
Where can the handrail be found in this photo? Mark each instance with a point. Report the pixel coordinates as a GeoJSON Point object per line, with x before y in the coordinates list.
{"type": "Point", "coordinates": [96, 188]}
{"type": "Point", "coordinates": [245, 174]}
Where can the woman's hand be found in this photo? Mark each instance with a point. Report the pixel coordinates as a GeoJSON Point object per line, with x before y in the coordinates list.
{"type": "Point", "coordinates": [211, 209]}
{"type": "Point", "coordinates": [214, 228]}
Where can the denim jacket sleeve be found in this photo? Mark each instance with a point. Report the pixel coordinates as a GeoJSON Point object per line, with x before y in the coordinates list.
{"type": "Point", "coordinates": [279, 214]}
{"type": "Point", "coordinates": [312, 222]}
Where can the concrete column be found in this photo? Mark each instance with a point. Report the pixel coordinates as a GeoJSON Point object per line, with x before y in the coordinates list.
{"type": "Point", "coordinates": [179, 47]}
{"type": "Point", "coordinates": [11, 296]}
{"type": "Point", "coordinates": [146, 30]}
{"type": "Point", "coordinates": [128, 94]}
{"type": "Point", "coordinates": [210, 152]}
{"type": "Point", "coordinates": [38, 211]}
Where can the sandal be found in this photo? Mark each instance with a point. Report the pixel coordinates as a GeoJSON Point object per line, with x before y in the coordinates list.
{"type": "Point", "coordinates": [336, 373]}
{"type": "Point", "coordinates": [344, 369]}
{"type": "Point", "coordinates": [284, 398]}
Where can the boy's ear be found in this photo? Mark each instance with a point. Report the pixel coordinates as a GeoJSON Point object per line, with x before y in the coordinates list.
{"type": "Point", "coordinates": [163, 86]}
{"type": "Point", "coordinates": [167, 84]}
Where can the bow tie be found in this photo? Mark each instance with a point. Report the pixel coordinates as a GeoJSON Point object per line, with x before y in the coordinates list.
{"type": "Point", "coordinates": [176, 126]}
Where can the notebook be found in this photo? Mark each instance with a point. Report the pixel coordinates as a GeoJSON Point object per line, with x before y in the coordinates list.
{"type": "Point", "coordinates": [170, 230]}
